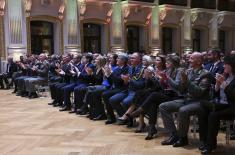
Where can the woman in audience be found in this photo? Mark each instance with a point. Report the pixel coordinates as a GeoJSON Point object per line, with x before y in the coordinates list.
{"type": "Point", "coordinates": [222, 108]}
{"type": "Point", "coordinates": [97, 79]}
{"type": "Point", "coordinates": [166, 79]}
{"type": "Point", "coordinates": [93, 95]}
{"type": "Point", "coordinates": [141, 95]}
{"type": "Point", "coordinates": [146, 62]}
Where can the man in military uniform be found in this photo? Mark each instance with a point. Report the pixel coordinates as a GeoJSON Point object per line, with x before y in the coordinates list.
{"type": "Point", "coordinates": [194, 86]}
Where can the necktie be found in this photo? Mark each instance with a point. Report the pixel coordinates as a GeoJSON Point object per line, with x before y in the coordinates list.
{"type": "Point", "coordinates": [133, 71]}
{"type": "Point", "coordinates": [212, 67]}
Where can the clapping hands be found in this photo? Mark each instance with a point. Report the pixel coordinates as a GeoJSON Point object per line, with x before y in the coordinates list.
{"type": "Point", "coordinates": [125, 78]}
{"type": "Point", "coordinates": [184, 76]}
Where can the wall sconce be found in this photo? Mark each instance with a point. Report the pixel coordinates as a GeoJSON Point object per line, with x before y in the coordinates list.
{"type": "Point", "coordinates": [2, 7]}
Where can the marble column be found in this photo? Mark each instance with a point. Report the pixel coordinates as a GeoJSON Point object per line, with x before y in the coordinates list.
{"type": "Point", "coordinates": [154, 30]}
{"type": "Point", "coordinates": [213, 31]}
{"type": "Point", "coordinates": [15, 29]}
{"type": "Point", "coordinates": [116, 27]}
{"type": "Point", "coordinates": [71, 26]}
{"type": "Point", "coordinates": [187, 32]}
{"type": "Point", "coordinates": [2, 40]}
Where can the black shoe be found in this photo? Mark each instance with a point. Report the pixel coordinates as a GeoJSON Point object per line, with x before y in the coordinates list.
{"type": "Point", "coordinates": [24, 95]}
{"type": "Point", "coordinates": [100, 117]}
{"type": "Point", "coordinates": [130, 123]}
{"type": "Point", "coordinates": [34, 95]}
{"type": "Point", "coordinates": [73, 111]}
{"type": "Point", "coordinates": [58, 104]}
{"type": "Point", "coordinates": [206, 151]}
{"type": "Point", "coordinates": [170, 141]}
{"type": "Point", "coordinates": [14, 92]}
{"type": "Point", "coordinates": [82, 112]}
{"type": "Point", "coordinates": [183, 141]}
{"type": "Point", "coordinates": [110, 121]}
{"type": "Point", "coordinates": [202, 147]}
{"type": "Point", "coordinates": [65, 108]}
{"type": "Point", "coordinates": [52, 103]}
{"type": "Point", "coordinates": [90, 117]}
{"type": "Point", "coordinates": [151, 132]}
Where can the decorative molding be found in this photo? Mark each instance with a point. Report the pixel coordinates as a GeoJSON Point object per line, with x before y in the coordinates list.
{"type": "Point", "coordinates": [61, 10]}
{"type": "Point", "coordinates": [2, 40]}
{"type": "Point", "coordinates": [82, 7]}
{"type": "Point", "coordinates": [126, 11]}
{"type": "Point", "coordinates": [220, 19]}
{"type": "Point", "coordinates": [2, 7]}
{"type": "Point", "coordinates": [28, 6]}
{"type": "Point", "coordinates": [194, 17]}
{"type": "Point", "coordinates": [162, 14]}
{"type": "Point", "coordinates": [28, 35]}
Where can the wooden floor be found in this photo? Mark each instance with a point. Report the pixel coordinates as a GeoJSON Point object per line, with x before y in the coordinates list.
{"type": "Point", "coordinates": [31, 127]}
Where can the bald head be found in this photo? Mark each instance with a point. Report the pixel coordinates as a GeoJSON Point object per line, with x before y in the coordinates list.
{"type": "Point", "coordinates": [42, 57]}
{"type": "Point", "coordinates": [135, 59]}
{"type": "Point", "coordinates": [232, 52]}
{"type": "Point", "coordinates": [196, 60]}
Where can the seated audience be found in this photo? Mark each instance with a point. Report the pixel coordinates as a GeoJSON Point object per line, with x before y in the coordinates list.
{"type": "Point", "coordinates": [11, 69]}
{"type": "Point", "coordinates": [222, 108]}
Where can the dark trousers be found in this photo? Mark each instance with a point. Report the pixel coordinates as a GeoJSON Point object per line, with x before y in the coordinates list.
{"type": "Point", "coordinates": [121, 101]}
{"type": "Point", "coordinates": [67, 90]}
{"type": "Point", "coordinates": [79, 94]}
{"type": "Point", "coordinates": [14, 79]}
{"type": "Point", "coordinates": [4, 78]}
{"type": "Point", "coordinates": [58, 90]}
{"type": "Point", "coordinates": [209, 121]}
{"type": "Point", "coordinates": [53, 89]}
{"type": "Point", "coordinates": [151, 104]}
{"type": "Point", "coordinates": [106, 96]}
{"type": "Point", "coordinates": [94, 100]}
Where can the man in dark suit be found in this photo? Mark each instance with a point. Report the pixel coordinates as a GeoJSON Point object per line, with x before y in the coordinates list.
{"type": "Point", "coordinates": [76, 67]}
{"type": "Point", "coordinates": [215, 65]}
{"type": "Point", "coordinates": [11, 68]}
{"type": "Point", "coordinates": [40, 70]}
{"type": "Point", "coordinates": [117, 85]}
{"type": "Point", "coordinates": [193, 87]}
{"type": "Point", "coordinates": [63, 71]}
{"type": "Point", "coordinates": [84, 79]}
{"type": "Point", "coordinates": [121, 101]}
